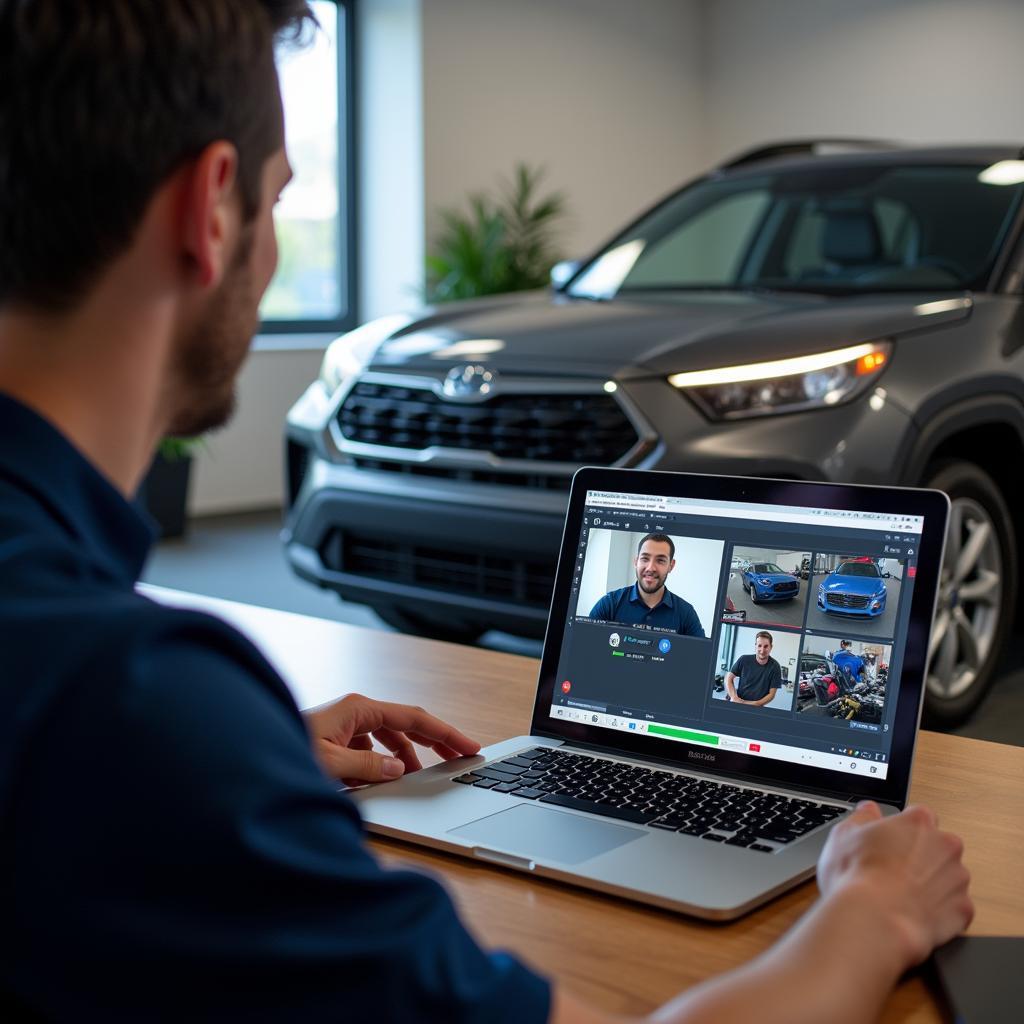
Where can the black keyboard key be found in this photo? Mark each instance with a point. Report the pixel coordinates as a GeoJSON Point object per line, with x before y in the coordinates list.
{"type": "Point", "coordinates": [760, 847]}
{"type": "Point", "coordinates": [510, 767]}
{"type": "Point", "coordinates": [713, 838]}
{"type": "Point", "coordinates": [492, 773]}
{"type": "Point", "coordinates": [519, 762]}
{"type": "Point", "coordinates": [606, 810]}
{"type": "Point", "coordinates": [468, 779]}
{"type": "Point", "coordinates": [506, 787]}
{"type": "Point", "coordinates": [485, 784]}
{"type": "Point", "coordinates": [527, 793]}
{"type": "Point", "coordinates": [780, 837]}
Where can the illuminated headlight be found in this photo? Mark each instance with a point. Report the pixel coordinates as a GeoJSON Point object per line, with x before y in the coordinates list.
{"type": "Point", "coordinates": [348, 355]}
{"type": "Point", "coordinates": [765, 583]}
{"type": "Point", "coordinates": [785, 385]}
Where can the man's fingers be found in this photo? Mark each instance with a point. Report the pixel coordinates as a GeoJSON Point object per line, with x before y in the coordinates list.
{"type": "Point", "coordinates": [401, 746]}
{"type": "Point", "coordinates": [359, 765]}
{"type": "Point", "coordinates": [372, 715]}
{"type": "Point", "coordinates": [441, 749]}
{"type": "Point", "coordinates": [867, 811]}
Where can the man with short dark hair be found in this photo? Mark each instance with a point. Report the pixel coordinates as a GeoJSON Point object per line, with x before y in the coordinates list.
{"type": "Point", "coordinates": [175, 845]}
{"type": "Point", "coordinates": [649, 601]}
{"type": "Point", "coordinates": [755, 678]}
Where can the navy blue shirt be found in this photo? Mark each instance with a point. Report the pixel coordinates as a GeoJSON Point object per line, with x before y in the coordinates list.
{"type": "Point", "coordinates": [627, 606]}
{"type": "Point", "coordinates": [170, 848]}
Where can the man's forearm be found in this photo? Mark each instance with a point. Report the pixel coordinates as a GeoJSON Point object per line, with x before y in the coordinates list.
{"type": "Point", "coordinates": [781, 986]}
{"type": "Point", "coordinates": [776, 987]}
{"type": "Point", "coordinates": [730, 686]}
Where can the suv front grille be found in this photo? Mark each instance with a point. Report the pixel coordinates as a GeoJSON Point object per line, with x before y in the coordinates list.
{"type": "Point", "coordinates": [847, 600]}
{"type": "Point", "coordinates": [498, 577]}
{"type": "Point", "coordinates": [569, 428]}
{"type": "Point", "coordinates": [535, 481]}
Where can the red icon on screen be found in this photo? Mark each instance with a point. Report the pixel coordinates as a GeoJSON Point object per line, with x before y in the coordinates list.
{"type": "Point", "coordinates": [911, 571]}
{"type": "Point", "coordinates": [566, 686]}
{"type": "Point", "coordinates": [755, 747]}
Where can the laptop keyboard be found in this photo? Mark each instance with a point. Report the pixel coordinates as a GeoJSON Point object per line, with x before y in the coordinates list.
{"type": "Point", "coordinates": [717, 812]}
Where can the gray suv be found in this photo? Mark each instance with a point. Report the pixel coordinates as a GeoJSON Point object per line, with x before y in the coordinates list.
{"type": "Point", "coordinates": [852, 315]}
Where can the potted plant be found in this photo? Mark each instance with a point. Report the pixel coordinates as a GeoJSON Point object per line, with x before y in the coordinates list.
{"type": "Point", "coordinates": [164, 490]}
{"type": "Point", "coordinates": [503, 244]}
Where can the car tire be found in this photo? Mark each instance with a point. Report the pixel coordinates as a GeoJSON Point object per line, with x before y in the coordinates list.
{"type": "Point", "coordinates": [754, 599]}
{"type": "Point", "coordinates": [977, 593]}
{"type": "Point", "coordinates": [452, 630]}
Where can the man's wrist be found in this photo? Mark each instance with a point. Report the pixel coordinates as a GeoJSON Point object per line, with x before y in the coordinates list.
{"type": "Point", "coordinates": [866, 903]}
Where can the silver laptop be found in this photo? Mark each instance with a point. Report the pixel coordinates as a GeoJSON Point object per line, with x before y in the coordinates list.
{"type": "Point", "coordinates": [730, 665]}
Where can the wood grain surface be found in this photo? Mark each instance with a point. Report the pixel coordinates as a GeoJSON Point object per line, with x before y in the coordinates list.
{"type": "Point", "coordinates": [621, 956]}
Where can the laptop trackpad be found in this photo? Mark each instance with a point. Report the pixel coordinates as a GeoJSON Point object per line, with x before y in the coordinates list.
{"type": "Point", "coordinates": [547, 835]}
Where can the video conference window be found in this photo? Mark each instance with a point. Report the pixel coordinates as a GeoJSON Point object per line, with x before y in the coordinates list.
{"type": "Point", "coordinates": [769, 586]}
{"type": "Point", "coordinates": [860, 591]}
{"type": "Point", "coordinates": [844, 679]}
{"type": "Point", "coordinates": [651, 579]}
{"type": "Point", "coordinates": [756, 668]}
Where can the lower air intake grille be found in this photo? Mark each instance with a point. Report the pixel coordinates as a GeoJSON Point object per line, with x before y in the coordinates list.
{"type": "Point", "coordinates": [498, 577]}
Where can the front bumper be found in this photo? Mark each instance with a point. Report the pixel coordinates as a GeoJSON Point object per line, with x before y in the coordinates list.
{"type": "Point", "coordinates": [873, 607]}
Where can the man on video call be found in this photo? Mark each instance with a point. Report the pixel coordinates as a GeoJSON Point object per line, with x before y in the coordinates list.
{"type": "Point", "coordinates": [648, 601]}
{"type": "Point", "coordinates": [175, 841]}
{"type": "Point", "coordinates": [759, 675]}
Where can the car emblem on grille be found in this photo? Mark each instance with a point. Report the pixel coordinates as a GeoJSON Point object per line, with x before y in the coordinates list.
{"type": "Point", "coordinates": [469, 383]}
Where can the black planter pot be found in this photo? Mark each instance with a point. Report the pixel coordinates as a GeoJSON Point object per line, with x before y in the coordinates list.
{"type": "Point", "coordinates": [164, 494]}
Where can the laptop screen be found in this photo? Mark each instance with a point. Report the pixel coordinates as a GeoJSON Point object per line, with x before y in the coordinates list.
{"type": "Point", "coordinates": [775, 631]}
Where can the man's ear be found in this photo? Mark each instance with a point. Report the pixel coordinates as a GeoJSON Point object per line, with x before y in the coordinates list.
{"type": "Point", "coordinates": [210, 212]}
{"type": "Point", "coordinates": [671, 565]}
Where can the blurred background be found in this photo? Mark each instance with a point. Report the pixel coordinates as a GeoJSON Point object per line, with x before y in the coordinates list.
{"type": "Point", "coordinates": [401, 111]}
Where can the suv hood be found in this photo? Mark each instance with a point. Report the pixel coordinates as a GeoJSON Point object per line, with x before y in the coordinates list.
{"type": "Point", "coordinates": [545, 333]}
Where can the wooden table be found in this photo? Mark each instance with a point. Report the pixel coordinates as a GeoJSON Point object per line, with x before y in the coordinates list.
{"type": "Point", "coordinates": [622, 956]}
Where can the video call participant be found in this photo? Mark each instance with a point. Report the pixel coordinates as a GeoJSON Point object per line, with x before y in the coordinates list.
{"type": "Point", "coordinates": [648, 601]}
{"type": "Point", "coordinates": [205, 852]}
{"type": "Point", "coordinates": [851, 665]}
{"type": "Point", "coordinates": [759, 675]}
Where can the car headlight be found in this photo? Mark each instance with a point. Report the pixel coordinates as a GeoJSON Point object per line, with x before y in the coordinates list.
{"type": "Point", "coordinates": [348, 355]}
{"type": "Point", "coordinates": [764, 583]}
{"type": "Point", "coordinates": [785, 385]}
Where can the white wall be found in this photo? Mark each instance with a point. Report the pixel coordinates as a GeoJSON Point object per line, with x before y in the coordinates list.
{"type": "Point", "coordinates": [604, 94]}
{"type": "Point", "coordinates": [910, 70]}
{"type": "Point", "coordinates": [242, 467]}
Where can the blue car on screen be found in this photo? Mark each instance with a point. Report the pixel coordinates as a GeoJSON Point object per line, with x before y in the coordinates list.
{"type": "Point", "coordinates": [855, 587]}
{"type": "Point", "coordinates": [765, 581]}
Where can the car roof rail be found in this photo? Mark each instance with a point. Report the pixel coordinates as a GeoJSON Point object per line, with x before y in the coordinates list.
{"type": "Point", "coordinates": [808, 147]}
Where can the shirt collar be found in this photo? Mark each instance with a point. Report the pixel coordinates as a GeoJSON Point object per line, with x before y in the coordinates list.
{"type": "Point", "coordinates": [667, 599]}
{"type": "Point", "coordinates": [71, 492]}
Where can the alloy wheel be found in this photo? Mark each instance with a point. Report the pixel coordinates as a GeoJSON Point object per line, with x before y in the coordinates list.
{"type": "Point", "coordinates": [970, 599]}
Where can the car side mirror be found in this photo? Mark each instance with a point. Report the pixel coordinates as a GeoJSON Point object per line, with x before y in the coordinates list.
{"type": "Point", "coordinates": [563, 272]}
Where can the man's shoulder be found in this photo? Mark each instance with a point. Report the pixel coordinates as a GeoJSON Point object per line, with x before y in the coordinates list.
{"type": "Point", "coordinates": [613, 597]}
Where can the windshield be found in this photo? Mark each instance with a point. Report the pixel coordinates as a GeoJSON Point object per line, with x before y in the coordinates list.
{"type": "Point", "coordinates": [831, 230]}
{"type": "Point", "coordinates": [767, 567]}
{"type": "Point", "coordinates": [858, 569]}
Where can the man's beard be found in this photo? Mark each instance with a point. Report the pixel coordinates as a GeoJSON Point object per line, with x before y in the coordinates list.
{"type": "Point", "coordinates": [650, 588]}
{"type": "Point", "coordinates": [211, 354]}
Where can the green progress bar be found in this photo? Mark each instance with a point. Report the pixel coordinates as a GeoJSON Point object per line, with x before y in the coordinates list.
{"type": "Point", "coordinates": [618, 654]}
{"type": "Point", "coordinates": [683, 734]}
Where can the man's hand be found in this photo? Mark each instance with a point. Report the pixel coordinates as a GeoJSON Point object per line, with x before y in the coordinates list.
{"type": "Point", "coordinates": [342, 735]}
{"type": "Point", "coordinates": [906, 868]}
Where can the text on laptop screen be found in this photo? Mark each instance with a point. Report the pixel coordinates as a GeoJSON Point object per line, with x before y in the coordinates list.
{"type": "Point", "coordinates": [770, 630]}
